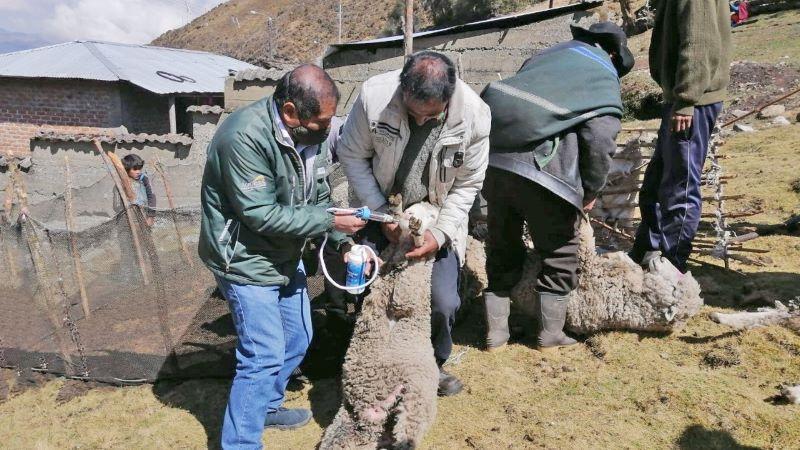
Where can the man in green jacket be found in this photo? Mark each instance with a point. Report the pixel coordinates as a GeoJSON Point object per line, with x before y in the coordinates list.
{"type": "Point", "coordinates": [690, 55]}
{"type": "Point", "coordinates": [264, 194]}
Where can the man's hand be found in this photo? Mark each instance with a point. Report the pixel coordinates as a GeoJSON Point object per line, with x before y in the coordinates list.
{"type": "Point", "coordinates": [429, 248]}
{"type": "Point", "coordinates": [681, 123]}
{"type": "Point", "coordinates": [588, 205]}
{"type": "Point", "coordinates": [347, 223]}
{"type": "Point", "coordinates": [391, 231]}
{"type": "Point", "coordinates": [370, 264]}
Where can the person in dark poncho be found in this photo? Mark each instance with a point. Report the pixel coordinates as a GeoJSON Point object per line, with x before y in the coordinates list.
{"type": "Point", "coordinates": [554, 126]}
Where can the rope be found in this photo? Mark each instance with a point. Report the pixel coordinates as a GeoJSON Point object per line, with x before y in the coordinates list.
{"type": "Point", "coordinates": [375, 270]}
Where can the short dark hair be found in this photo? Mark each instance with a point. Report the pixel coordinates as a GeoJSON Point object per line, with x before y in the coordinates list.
{"type": "Point", "coordinates": [305, 86]}
{"type": "Point", "coordinates": [427, 76]}
{"type": "Point", "coordinates": [132, 161]}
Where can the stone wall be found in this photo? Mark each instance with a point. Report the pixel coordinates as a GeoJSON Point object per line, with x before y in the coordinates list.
{"type": "Point", "coordinates": [480, 56]}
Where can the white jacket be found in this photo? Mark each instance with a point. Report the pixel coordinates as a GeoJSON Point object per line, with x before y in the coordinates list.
{"type": "Point", "coordinates": [376, 133]}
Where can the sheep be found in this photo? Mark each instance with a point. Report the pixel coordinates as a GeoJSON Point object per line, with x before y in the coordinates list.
{"type": "Point", "coordinates": [615, 293]}
{"type": "Point", "coordinates": [390, 376]}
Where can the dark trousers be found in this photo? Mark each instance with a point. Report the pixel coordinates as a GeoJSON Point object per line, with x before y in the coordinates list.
{"type": "Point", "coordinates": [553, 226]}
{"type": "Point", "coordinates": [445, 299]}
{"type": "Point", "coordinates": [670, 200]}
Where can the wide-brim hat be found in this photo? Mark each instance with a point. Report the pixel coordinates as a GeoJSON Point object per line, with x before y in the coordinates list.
{"type": "Point", "coordinates": [610, 38]}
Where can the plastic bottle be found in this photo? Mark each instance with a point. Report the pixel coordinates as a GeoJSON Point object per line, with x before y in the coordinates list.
{"type": "Point", "coordinates": [357, 259]}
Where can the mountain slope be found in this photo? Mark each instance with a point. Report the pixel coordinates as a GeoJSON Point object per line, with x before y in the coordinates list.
{"type": "Point", "coordinates": [299, 32]}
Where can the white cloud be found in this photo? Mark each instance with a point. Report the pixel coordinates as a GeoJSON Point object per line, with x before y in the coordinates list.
{"type": "Point", "coordinates": [129, 21]}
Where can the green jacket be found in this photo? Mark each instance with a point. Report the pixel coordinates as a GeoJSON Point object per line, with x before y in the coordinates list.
{"type": "Point", "coordinates": [690, 52]}
{"type": "Point", "coordinates": [255, 217]}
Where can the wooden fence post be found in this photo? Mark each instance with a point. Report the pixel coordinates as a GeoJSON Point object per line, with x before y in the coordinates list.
{"type": "Point", "coordinates": [171, 201]}
{"type": "Point", "coordinates": [73, 244]}
{"type": "Point", "coordinates": [125, 195]}
{"type": "Point", "coordinates": [42, 272]}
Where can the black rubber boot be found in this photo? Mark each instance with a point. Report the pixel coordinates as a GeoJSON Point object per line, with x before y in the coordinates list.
{"type": "Point", "coordinates": [551, 313]}
{"type": "Point", "coordinates": [448, 384]}
{"type": "Point", "coordinates": [497, 308]}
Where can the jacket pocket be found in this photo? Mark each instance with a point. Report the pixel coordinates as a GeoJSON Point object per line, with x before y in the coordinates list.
{"type": "Point", "coordinates": [446, 165]}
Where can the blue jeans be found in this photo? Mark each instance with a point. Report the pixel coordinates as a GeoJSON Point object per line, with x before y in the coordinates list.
{"type": "Point", "coordinates": [273, 324]}
{"type": "Point", "coordinates": [670, 200]}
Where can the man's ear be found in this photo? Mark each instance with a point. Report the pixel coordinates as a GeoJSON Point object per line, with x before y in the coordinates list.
{"type": "Point", "coordinates": [289, 115]}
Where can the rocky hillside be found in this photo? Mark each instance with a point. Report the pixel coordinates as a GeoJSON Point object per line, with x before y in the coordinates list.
{"type": "Point", "coordinates": [299, 31]}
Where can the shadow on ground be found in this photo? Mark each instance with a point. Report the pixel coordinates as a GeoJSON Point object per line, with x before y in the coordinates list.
{"type": "Point", "coordinates": [697, 437]}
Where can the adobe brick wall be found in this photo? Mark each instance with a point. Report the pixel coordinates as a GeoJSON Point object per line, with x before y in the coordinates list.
{"type": "Point", "coordinates": [66, 105]}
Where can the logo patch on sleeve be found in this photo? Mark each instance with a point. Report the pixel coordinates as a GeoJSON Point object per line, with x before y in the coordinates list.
{"type": "Point", "coordinates": [259, 182]}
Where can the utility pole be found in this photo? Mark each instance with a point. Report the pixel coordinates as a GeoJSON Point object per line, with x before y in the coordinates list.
{"type": "Point", "coordinates": [270, 39]}
{"type": "Point", "coordinates": [270, 43]}
{"type": "Point", "coordinates": [340, 22]}
{"type": "Point", "coordinates": [188, 11]}
{"type": "Point", "coordinates": [408, 29]}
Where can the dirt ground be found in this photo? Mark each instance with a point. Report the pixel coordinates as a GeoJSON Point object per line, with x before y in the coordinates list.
{"type": "Point", "coordinates": [704, 387]}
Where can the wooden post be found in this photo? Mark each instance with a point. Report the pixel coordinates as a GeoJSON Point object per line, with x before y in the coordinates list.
{"type": "Point", "coordinates": [47, 295]}
{"type": "Point", "coordinates": [124, 194]}
{"type": "Point", "coordinates": [7, 207]}
{"type": "Point", "coordinates": [173, 119]}
{"type": "Point", "coordinates": [73, 244]}
{"type": "Point", "coordinates": [551, 4]}
{"type": "Point", "coordinates": [408, 29]}
{"type": "Point", "coordinates": [171, 201]}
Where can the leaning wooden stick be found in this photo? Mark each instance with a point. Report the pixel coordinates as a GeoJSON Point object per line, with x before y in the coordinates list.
{"type": "Point", "coordinates": [73, 244]}
{"type": "Point", "coordinates": [125, 197]}
{"type": "Point", "coordinates": [7, 206]}
{"type": "Point", "coordinates": [171, 201]}
{"type": "Point", "coordinates": [47, 299]}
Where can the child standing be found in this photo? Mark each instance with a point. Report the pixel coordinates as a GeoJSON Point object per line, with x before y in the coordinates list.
{"type": "Point", "coordinates": [140, 183]}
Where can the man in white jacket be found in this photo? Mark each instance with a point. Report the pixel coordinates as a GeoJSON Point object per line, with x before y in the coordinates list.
{"type": "Point", "coordinates": [423, 133]}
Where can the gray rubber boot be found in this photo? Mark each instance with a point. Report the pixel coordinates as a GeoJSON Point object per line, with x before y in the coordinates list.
{"type": "Point", "coordinates": [497, 309]}
{"type": "Point", "coordinates": [551, 313]}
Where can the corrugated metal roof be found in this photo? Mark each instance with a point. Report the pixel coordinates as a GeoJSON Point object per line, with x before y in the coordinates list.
{"type": "Point", "coordinates": [260, 74]}
{"type": "Point", "coordinates": [206, 109]}
{"type": "Point", "coordinates": [54, 136]}
{"type": "Point", "coordinates": [513, 20]}
{"type": "Point", "coordinates": [156, 69]}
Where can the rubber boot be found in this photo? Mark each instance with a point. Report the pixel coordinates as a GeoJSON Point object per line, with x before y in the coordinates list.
{"type": "Point", "coordinates": [551, 313]}
{"type": "Point", "coordinates": [497, 309]}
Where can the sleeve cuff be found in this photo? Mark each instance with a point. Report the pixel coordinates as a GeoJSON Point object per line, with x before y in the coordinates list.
{"type": "Point", "coordinates": [440, 237]}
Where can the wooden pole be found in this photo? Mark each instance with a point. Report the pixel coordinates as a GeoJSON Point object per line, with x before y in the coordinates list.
{"type": "Point", "coordinates": [73, 244]}
{"type": "Point", "coordinates": [171, 201]}
{"type": "Point", "coordinates": [173, 120]}
{"type": "Point", "coordinates": [121, 173]}
{"type": "Point", "coordinates": [408, 29]}
{"type": "Point", "coordinates": [124, 194]}
{"type": "Point", "coordinates": [47, 295]}
{"type": "Point", "coordinates": [7, 207]}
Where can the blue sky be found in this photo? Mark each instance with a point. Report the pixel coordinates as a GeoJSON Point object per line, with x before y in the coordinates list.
{"type": "Point", "coordinates": [33, 23]}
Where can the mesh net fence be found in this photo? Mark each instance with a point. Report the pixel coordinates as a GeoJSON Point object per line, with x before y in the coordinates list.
{"type": "Point", "coordinates": [120, 300]}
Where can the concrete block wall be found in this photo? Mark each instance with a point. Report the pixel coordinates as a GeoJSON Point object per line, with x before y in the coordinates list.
{"type": "Point", "coordinates": [65, 105]}
{"type": "Point", "coordinates": [480, 56]}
